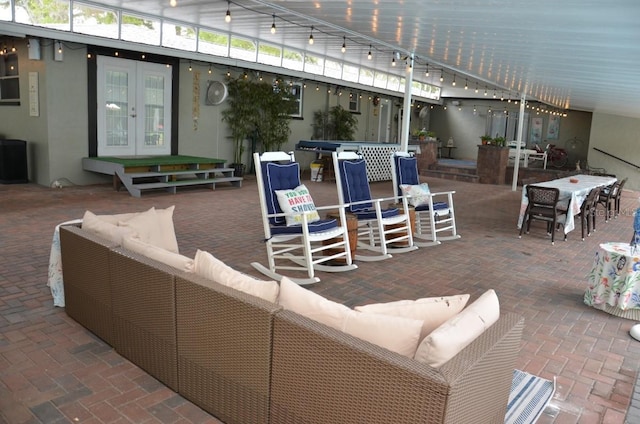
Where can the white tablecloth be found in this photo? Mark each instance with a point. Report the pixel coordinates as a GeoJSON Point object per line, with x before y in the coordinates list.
{"type": "Point", "coordinates": [55, 282]}
{"type": "Point", "coordinates": [573, 193]}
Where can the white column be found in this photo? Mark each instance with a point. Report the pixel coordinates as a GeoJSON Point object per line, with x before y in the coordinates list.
{"type": "Point", "coordinates": [516, 165]}
{"type": "Point", "coordinates": [406, 115]}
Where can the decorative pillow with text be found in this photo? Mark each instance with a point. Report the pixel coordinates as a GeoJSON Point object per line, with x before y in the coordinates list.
{"type": "Point", "coordinates": [297, 201]}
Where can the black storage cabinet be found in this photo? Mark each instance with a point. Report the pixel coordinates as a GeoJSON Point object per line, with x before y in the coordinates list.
{"type": "Point", "coordinates": [13, 162]}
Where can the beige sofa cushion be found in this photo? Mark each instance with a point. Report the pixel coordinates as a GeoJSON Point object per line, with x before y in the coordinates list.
{"type": "Point", "coordinates": [432, 311]}
{"type": "Point", "coordinates": [397, 334]}
{"type": "Point", "coordinates": [155, 226]}
{"type": "Point", "coordinates": [305, 302]}
{"type": "Point", "coordinates": [459, 331]}
{"type": "Point", "coordinates": [112, 232]}
{"type": "Point", "coordinates": [159, 254]}
{"type": "Point", "coordinates": [207, 266]}
{"type": "Point", "coordinates": [119, 217]}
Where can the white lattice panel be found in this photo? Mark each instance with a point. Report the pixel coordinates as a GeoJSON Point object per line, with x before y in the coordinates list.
{"type": "Point", "coordinates": [378, 160]}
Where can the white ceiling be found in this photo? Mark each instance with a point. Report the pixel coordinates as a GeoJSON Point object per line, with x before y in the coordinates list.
{"type": "Point", "coordinates": [580, 54]}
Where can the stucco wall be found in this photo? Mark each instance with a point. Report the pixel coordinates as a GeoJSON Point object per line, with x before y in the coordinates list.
{"type": "Point", "coordinates": [618, 136]}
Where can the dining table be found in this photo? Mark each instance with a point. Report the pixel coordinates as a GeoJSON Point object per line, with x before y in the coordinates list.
{"type": "Point", "coordinates": [573, 190]}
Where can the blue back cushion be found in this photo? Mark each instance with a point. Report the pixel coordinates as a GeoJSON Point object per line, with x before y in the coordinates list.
{"type": "Point", "coordinates": [278, 176]}
{"type": "Point", "coordinates": [355, 185]}
{"type": "Point", "coordinates": [407, 169]}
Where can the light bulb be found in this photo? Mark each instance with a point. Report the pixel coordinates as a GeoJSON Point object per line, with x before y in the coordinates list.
{"type": "Point", "coordinates": [369, 56]}
{"type": "Point", "coordinates": [273, 25]}
{"type": "Point", "coordinates": [311, 36]}
{"type": "Point", "coordinates": [344, 44]}
{"type": "Point", "coordinates": [227, 17]}
{"type": "Point", "coordinates": [173, 3]}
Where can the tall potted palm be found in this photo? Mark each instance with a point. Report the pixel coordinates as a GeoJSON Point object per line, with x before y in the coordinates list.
{"type": "Point", "coordinates": [239, 118]}
{"type": "Point", "coordinates": [257, 110]}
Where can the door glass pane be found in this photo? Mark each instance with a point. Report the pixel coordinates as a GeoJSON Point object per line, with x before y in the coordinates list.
{"type": "Point", "coordinates": [117, 105]}
{"type": "Point", "coordinates": [154, 108]}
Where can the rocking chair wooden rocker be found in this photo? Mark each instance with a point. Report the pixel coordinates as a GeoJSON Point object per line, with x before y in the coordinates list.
{"type": "Point", "coordinates": [295, 236]}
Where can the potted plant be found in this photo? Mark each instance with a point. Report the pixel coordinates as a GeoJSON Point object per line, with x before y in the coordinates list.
{"type": "Point", "coordinates": [238, 117]}
{"type": "Point", "coordinates": [500, 141]}
{"type": "Point", "coordinates": [431, 135]}
{"type": "Point", "coordinates": [258, 111]}
{"type": "Point", "coordinates": [486, 139]}
{"type": "Point", "coordinates": [335, 124]}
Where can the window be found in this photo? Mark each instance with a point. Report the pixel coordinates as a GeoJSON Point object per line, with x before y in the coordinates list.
{"type": "Point", "coordinates": [296, 92]}
{"type": "Point", "coordinates": [354, 102]}
{"type": "Point", "coordinates": [9, 80]}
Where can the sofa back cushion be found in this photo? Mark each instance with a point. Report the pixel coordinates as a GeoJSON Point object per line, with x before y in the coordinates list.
{"type": "Point", "coordinates": [207, 266]}
{"type": "Point", "coordinates": [432, 311]}
{"type": "Point", "coordinates": [107, 230]}
{"type": "Point", "coordinates": [397, 334]}
{"type": "Point", "coordinates": [159, 254]}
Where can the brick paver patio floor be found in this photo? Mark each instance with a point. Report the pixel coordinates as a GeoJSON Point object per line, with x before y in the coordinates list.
{"type": "Point", "coordinates": [52, 370]}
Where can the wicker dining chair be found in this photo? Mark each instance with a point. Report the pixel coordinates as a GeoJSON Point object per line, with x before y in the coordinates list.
{"type": "Point", "coordinates": [587, 213]}
{"type": "Point", "coordinates": [544, 206]}
{"type": "Point", "coordinates": [607, 199]}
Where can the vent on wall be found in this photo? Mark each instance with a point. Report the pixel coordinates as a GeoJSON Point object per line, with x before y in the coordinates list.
{"type": "Point", "coordinates": [216, 93]}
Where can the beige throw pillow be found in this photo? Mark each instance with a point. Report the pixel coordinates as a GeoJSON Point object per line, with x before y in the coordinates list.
{"type": "Point", "coordinates": [94, 224]}
{"type": "Point", "coordinates": [155, 226]}
{"type": "Point", "coordinates": [459, 331]}
{"type": "Point", "coordinates": [432, 311]}
{"type": "Point", "coordinates": [159, 254]}
{"type": "Point", "coordinates": [305, 302]}
{"type": "Point", "coordinates": [207, 266]}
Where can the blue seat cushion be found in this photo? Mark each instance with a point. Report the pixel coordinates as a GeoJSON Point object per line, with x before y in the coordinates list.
{"type": "Point", "coordinates": [278, 176]}
{"type": "Point", "coordinates": [314, 227]}
{"type": "Point", "coordinates": [437, 206]}
{"type": "Point", "coordinates": [371, 214]}
{"type": "Point", "coordinates": [355, 184]}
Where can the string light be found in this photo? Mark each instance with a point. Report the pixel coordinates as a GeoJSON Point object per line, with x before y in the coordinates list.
{"type": "Point", "coordinates": [60, 48]}
{"type": "Point", "coordinates": [344, 44]}
{"type": "Point", "coordinates": [311, 35]}
{"type": "Point", "coordinates": [426, 71]}
{"type": "Point", "coordinates": [227, 17]}
{"type": "Point", "coordinates": [190, 67]}
{"type": "Point", "coordinates": [369, 56]}
{"type": "Point", "coordinates": [210, 71]}
{"type": "Point", "coordinates": [453, 83]}
{"type": "Point", "coordinates": [173, 3]}
{"type": "Point", "coordinates": [442, 77]}
{"type": "Point", "coordinates": [466, 84]}
{"type": "Point", "coordinates": [273, 25]}
{"type": "Point", "coordinates": [393, 61]}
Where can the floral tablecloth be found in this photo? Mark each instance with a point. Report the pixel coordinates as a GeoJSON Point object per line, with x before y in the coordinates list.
{"type": "Point", "coordinates": [614, 281]}
{"type": "Point", "coordinates": [55, 281]}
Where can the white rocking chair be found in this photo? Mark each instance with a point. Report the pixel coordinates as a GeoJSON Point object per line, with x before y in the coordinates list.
{"type": "Point", "coordinates": [435, 220]}
{"type": "Point", "coordinates": [303, 246]}
{"type": "Point", "coordinates": [383, 230]}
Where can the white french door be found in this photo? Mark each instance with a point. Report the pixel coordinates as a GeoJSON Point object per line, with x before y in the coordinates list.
{"type": "Point", "coordinates": [134, 107]}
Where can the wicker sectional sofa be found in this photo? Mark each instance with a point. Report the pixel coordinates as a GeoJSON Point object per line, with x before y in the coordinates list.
{"type": "Point", "coordinates": [247, 360]}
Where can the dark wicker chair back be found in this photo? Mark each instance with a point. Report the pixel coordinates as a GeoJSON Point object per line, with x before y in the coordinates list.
{"type": "Point", "coordinates": [543, 206]}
